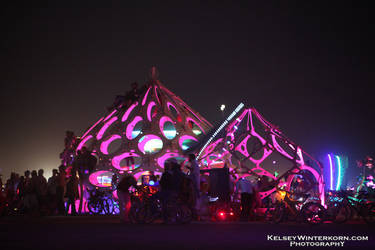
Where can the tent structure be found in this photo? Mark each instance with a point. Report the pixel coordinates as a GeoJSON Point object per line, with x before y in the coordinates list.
{"type": "Point", "coordinates": [247, 143]}
{"type": "Point", "coordinates": [159, 125]}
{"type": "Point", "coordinates": [143, 135]}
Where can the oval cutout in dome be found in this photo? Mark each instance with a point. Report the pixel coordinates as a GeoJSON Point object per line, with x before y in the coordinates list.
{"type": "Point", "coordinates": [134, 128]}
{"type": "Point", "coordinates": [173, 110]}
{"type": "Point", "coordinates": [111, 145]}
{"type": "Point", "coordinates": [162, 159]}
{"type": "Point", "coordinates": [86, 142]}
{"type": "Point", "coordinates": [169, 130]}
{"type": "Point", "coordinates": [187, 142]}
{"type": "Point", "coordinates": [105, 127]}
{"type": "Point", "coordinates": [193, 125]}
{"type": "Point", "coordinates": [101, 178]}
{"type": "Point", "coordinates": [167, 127]}
{"type": "Point", "coordinates": [127, 161]}
{"type": "Point", "coordinates": [150, 144]}
{"type": "Point", "coordinates": [151, 110]}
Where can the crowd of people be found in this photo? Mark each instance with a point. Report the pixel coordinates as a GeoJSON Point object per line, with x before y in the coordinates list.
{"type": "Point", "coordinates": [32, 194]}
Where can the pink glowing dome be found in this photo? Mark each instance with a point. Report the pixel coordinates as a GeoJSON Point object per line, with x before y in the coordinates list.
{"type": "Point", "coordinates": [143, 135]}
{"type": "Point", "coordinates": [249, 143]}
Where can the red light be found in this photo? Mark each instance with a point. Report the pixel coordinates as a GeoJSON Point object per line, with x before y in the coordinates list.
{"type": "Point", "coordinates": [221, 214]}
{"type": "Point", "coordinates": [231, 213]}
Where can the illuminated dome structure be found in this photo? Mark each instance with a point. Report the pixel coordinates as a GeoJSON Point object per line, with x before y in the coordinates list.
{"type": "Point", "coordinates": [246, 141]}
{"type": "Point", "coordinates": [143, 135]}
{"type": "Point", "coordinates": [159, 125]}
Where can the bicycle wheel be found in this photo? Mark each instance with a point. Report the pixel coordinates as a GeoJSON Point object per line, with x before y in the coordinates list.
{"type": "Point", "coordinates": [368, 213]}
{"type": "Point", "coordinates": [108, 207]}
{"type": "Point", "coordinates": [339, 212]}
{"type": "Point", "coordinates": [94, 207]}
{"type": "Point", "coordinates": [313, 213]}
{"type": "Point", "coordinates": [116, 207]}
{"type": "Point", "coordinates": [279, 213]}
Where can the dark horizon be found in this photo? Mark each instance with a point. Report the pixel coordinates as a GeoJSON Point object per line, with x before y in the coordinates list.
{"type": "Point", "coordinates": [305, 67]}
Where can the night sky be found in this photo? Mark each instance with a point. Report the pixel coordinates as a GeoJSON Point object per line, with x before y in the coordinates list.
{"type": "Point", "coordinates": [307, 67]}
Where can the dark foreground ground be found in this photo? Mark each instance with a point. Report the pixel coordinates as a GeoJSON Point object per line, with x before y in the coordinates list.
{"type": "Point", "coordinates": [88, 232]}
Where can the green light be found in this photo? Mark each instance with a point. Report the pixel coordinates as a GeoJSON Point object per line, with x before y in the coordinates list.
{"type": "Point", "coordinates": [276, 173]}
{"type": "Point", "coordinates": [338, 184]}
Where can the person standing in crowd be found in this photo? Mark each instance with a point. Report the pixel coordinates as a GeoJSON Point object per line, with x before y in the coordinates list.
{"type": "Point", "coordinates": [51, 191]}
{"type": "Point", "coordinates": [60, 190]}
{"type": "Point", "coordinates": [72, 193]}
{"type": "Point", "coordinates": [33, 195]}
{"type": "Point", "coordinates": [124, 197]}
{"type": "Point", "coordinates": [41, 190]}
{"type": "Point", "coordinates": [245, 188]}
{"type": "Point", "coordinates": [27, 192]}
{"type": "Point", "coordinates": [194, 173]}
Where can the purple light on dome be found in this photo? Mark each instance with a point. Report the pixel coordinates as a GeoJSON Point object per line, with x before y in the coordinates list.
{"type": "Point", "coordinates": [82, 143]}
{"type": "Point", "coordinates": [105, 144]}
{"type": "Point", "coordinates": [127, 113]}
{"type": "Point", "coordinates": [105, 127]}
{"type": "Point", "coordinates": [161, 160]}
{"type": "Point", "coordinates": [279, 148]}
{"type": "Point", "coordinates": [117, 160]}
{"type": "Point", "coordinates": [170, 104]}
{"type": "Point", "coordinates": [101, 178]}
{"type": "Point", "coordinates": [93, 126]}
{"type": "Point", "coordinates": [196, 123]}
{"type": "Point", "coordinates": [145, 97]}
{"type": "Point", "coordinates": [110, 115]}
{"type": "Point", "coordinates": [184, 138]}
{"type": "Point", "coordinates": [149, 108]}
{"type": "Point", "coordinates": [130, 127]}
{"type": "Point", "coordinates": [142, 142]}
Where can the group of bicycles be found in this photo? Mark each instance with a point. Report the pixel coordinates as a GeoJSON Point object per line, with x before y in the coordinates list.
{"type": "Point", "coordinates": [340, 207]}
{"type": "Point", "coordinates": [146, 207]}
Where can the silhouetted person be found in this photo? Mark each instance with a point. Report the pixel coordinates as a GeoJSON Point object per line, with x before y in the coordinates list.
{"type": "Point", "coordinates": [52, 191]}
{"type": "Point", "coordinates": [60, 190]}
{"type": "Point", "coordinates": [72, 193]}
{"type": "Point", "coordinates": [124, 197]}
{"type": "Point", "coordinates": [34, 208]}
{"type": "Point", "coordinates": [41, 190]}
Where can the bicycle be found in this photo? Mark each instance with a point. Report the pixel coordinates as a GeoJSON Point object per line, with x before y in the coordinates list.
{"type": "Point", "coordinates": [288, 208]}
{"type": "Point", "coordinates": [99, 203]}
{"type": "Point", "coordinates": [343, 205]}
{"type": "Point", "coordinates": [171, 212]}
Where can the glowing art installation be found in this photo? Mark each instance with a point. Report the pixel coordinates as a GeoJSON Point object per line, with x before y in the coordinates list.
{"type": "Point", "coordinates": [244, 141]}
{"type": "Point", "coordinates": [335, 171]}
{"type": "Point", "coordinates": [149, 132]}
